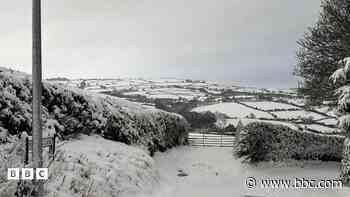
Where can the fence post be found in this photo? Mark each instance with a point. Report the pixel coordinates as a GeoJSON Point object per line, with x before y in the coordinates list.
{"type": "Point", "coordinates": [26, 156]}
{"type": "Point", "coordinates": [53, 146]}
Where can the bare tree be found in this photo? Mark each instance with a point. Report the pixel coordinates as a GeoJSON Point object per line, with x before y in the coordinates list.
{"type": "Point", "coordinates": [37, 93]}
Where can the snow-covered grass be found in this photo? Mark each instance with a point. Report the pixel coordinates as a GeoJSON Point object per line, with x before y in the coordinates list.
{"type": "Point", "coordinates": [233, 110]}
{"type": "Point", "coordinates": [267, 105]}
{"type": "Point", "coordinates": [319, 128]}
{"type": "Point", "coordinates": [215, 172]}
{"type": "Point", "coordinates": [297, 114]}
{"type": "Point", "coordinates": [316, 127]}
{"type": "Point", "coordinates": [328, 110]}
{"type": "Point", "coordinates": [246, 121]}
{"type": "Point", "coordinates": [296, 101]}
{"type": "Point", "coordinates": [330, 121]}
{"type": "Point", "coordinates": [167, 93]}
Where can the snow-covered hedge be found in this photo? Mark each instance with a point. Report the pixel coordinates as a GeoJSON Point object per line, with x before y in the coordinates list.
{"type": "Point", "coordinates": [261, 141]}
{"type": "Point", "coordinates": [72, 111]}
{"type": "Point", "coordinates": [92, 166]}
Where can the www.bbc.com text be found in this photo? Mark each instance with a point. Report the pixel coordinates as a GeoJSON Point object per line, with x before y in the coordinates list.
{"type": "Point", "coordinates": [297, 183]}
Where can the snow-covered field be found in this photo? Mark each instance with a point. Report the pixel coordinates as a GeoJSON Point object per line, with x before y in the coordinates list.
{"type": "Point", "coordinates": [233, 110]}
{"type": "Point", "coordinates": [168, 88]}
{"type": "Point", "coordinates": [330, 121]}
{"type": "Point", "coordinates": [285, 116]}
{"type": "Point", "coordinates": [267, 105]}
{"type": "Point", "coordinates": [171, 93]}
{"type": "Point", "coordinates": [318, 128]}
{"type": "Point", "coordinates": [297, 114]}
{"type": "Point", "coordinates": [215, 172]}
{"type": "Point", "coordinates": [246, 121]}
{"type": "Point", "coordinates": [211, 92]}
{"type": "Point", "coordinates": [184, 90]}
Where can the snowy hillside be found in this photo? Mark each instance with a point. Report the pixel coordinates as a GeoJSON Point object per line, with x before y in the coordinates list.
{"type": "Point", "coordinates": [238, 103]}
{"type": "Point", "coordinates": [247, 104]}
{"type": "Point", "coordinates": [233, 110]}
{"type": "Point", "coordinates": [294, 116]}
{"type": "Point", "coordinates": [176, 89]}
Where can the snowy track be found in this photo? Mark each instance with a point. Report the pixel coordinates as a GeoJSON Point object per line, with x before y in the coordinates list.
{"type": "Point", "coordinates": [213, 172]}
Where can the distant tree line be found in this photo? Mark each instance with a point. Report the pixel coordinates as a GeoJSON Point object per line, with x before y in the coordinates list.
{"type": "Point", "coordinates": [58, 79]}
{"type": "Point", "coordinates": [195, 119]}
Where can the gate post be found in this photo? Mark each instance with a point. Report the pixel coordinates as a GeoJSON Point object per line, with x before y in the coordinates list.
{"type": "Point", "coordinates": [53, 146]}
{"type": "Point", "coordinates": [26, 151]}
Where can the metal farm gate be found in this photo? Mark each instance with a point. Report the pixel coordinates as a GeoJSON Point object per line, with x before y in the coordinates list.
{"type": "Point", "coordinates": [210, 139]}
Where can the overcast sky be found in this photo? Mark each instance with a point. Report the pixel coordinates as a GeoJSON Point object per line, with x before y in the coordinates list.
{"type": "Point", "coordinates": [251, 42]}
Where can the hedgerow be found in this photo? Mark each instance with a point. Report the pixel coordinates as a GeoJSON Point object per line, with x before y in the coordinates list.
{"type": "Point", "coordinates": [261, 141]}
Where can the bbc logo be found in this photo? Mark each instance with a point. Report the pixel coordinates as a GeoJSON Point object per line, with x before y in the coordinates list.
{"type": "Point", "coordinates": [27, 174]}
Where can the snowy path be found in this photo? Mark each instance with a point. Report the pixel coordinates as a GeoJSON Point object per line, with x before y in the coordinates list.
{"type": "Point", "coordinates": [213, 172]}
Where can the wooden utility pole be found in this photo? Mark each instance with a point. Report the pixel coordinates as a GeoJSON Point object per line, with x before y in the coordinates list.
{"type": "Point", "coordinates": [37, 92]}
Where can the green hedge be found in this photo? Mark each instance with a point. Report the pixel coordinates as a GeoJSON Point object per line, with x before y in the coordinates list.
{"type": "Point", "coordinates": [260, 141]}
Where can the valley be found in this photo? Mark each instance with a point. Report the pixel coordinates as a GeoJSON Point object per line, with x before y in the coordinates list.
{"type": "Point", "coordinates": [235, 103]}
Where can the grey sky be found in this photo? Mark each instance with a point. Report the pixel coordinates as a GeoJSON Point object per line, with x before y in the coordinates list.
{"type": "Point", "coordinates": [251, 42]}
